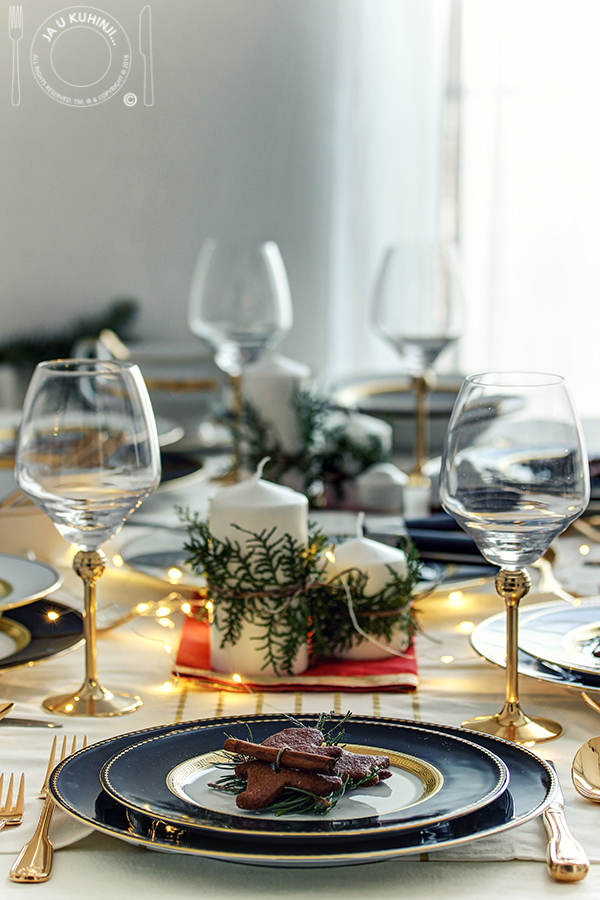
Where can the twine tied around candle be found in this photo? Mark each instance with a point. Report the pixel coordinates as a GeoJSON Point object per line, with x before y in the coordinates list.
{"type": "Point", "coordinates": [282, 587]}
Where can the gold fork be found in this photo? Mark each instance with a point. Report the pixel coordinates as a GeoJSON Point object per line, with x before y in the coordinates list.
{"type": "Point", "coordinates": [34, 862]}
{"type": "Point", "coordinates": [9, 814]}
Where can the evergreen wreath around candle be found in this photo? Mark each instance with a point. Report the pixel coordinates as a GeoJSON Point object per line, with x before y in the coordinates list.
{"type": "Point", "coordinates": [284, 588]}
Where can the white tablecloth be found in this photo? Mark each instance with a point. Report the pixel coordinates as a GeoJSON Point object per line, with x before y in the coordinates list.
{"type": "Point", "coordinates": [135, 658]}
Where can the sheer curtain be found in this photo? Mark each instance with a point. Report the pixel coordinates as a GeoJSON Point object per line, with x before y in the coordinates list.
{"type": "Point", "coordinates": [386, 159]}
{"type": "Point", "coordinates": [530, 189]}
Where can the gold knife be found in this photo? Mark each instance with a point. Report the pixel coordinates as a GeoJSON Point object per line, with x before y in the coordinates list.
{"type": "Point", "coordinates": [567, 860]}
{"type": "Point", "coordinates": [5, 708]}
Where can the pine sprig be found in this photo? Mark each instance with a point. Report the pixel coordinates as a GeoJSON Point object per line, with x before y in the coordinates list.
{"type": "Point", "coordinates": [267, 583]}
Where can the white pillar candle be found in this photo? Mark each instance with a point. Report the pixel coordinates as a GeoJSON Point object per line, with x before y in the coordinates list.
{"type": "Point", "coordinates": [255, 505]}
{"type": "Point", "coordinates": [269, 385]}
{"type": "Point", "coordinates": [371, 557]}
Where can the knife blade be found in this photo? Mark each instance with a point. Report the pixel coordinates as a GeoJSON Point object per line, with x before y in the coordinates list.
{"type": "Point", "coordinates": [5, 708]}
{"type": "Point", "coordinates": [146, 52]}
{"type": "Point", "coordinates": [28, 723]}
{"type": "Point", "coordinates": [566, 858]}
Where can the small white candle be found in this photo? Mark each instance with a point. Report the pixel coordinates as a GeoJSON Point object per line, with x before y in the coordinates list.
{"type": "Point", "coordinates": [255, 505]}
{"type": "Point", "coordinates": [371, 557]}
{"type": "Point", "coordinates": [416, 499]}
{"type": "Point", "coordinates": [269, 385]}
{"type": "Point", "coordinates": [380, 487]}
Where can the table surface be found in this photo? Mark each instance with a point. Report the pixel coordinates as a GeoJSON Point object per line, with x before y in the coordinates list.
{"type": "Point", "coordinates": [454, 684]}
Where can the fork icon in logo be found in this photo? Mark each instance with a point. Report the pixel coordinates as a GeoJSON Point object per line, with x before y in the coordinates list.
{"type": "Point", "coordinates": [15, 33]}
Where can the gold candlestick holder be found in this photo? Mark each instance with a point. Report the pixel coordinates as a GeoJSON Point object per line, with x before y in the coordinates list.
{"type": "Point", "coordinates": [511, 722]}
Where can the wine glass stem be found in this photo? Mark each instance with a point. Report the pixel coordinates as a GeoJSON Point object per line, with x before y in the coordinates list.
{"type": "Point", "coordinates": [89, 565]}
{"type": "Point", "coordinates": [238, 408]}
{"type": "Point", "coordinates": [512, 585]}
{"type": "Point", "coordinates": [420, 385]}
{"type": "Point", "coordinates": [512, 644]}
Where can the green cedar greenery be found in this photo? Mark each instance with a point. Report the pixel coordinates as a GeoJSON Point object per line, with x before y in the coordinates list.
{"type": "Point", "coordinates": [30, 349]}
{"type": "Point", "coordinates": [282, 587]}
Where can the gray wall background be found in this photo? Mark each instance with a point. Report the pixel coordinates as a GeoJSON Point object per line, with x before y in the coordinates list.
{"type": "Point", "coordinates": [262, 127]}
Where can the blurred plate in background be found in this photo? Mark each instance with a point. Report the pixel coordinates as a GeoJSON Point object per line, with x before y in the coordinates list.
{"type": "Point", "coordinates": [23, 580]}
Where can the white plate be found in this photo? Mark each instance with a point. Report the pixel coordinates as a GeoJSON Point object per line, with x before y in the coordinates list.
{"type": "Point", "coordinates": [564, 635]}
{"type": "Point", "coordinates": [23, 580]}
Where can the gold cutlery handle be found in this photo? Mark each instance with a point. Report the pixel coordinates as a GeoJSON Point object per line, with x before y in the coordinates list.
{"type": "Point", "coordinates": [567, 860]}
{"type": "Point", "coordinates": [34, 862]}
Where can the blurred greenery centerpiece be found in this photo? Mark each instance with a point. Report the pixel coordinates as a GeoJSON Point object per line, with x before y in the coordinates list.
{"type": "Point", "coordinates": [335, 446]}
{"type": "Point", "coordinates": [19, 355]}
{"type": "Point", "coordinates": [29, 349]}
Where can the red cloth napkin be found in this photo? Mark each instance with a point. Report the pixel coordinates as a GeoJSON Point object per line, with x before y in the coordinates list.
{"type": "Point", "coordinates": [394, 673]}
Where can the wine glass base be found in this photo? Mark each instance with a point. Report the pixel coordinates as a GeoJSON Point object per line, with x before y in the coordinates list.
{"type": "Point", "coordinates": [92, 700]}
{"type": "Point", "coordinates": [525, 731]}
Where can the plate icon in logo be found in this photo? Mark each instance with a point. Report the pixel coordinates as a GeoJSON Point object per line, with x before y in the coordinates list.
{"type": "Point", "coordinates": [80, 56]}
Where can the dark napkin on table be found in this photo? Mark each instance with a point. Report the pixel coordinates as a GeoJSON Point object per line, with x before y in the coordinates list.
{"type": "Point", "coordinates": [438, 538]}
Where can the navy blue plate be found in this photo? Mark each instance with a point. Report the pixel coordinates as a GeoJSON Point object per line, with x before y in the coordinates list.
{"type": "Point", "coordinates": [76, 788]}
{"type": "Point", "coordinates": [54, 628]}
{"type": "Point", "coordinates": [456, 777]}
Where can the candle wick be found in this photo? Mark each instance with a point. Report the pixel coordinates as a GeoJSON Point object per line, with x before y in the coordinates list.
{"type": "Point", "coordinates": [359, 525]}
{"type": "Point", "coordinates": [260, 467]}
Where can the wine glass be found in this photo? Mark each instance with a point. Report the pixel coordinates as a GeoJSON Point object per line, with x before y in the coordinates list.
{"type": "Point", "coordinates": [88, 456]}
{"type": "Point", "coordinates": [514, 476]}
{"type": "Point", "coordinates": [416, 308]}
{"type": "Point", "coordinates": [240, 305]}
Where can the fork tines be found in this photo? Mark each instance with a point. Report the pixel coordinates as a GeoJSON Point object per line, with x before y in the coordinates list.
{"type": "Point", "coordinates": [9, 814]}
{"type": "Point", "coordinates": [15, 19]}
{"type": "Point", "coordinates": [52, 758]}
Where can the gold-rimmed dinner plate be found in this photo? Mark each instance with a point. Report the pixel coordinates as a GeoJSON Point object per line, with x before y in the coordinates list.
{"type": "Point", "coordinates": [76, 788]}
{"type": "Point", "coordinates": [434, 778]}
{"type": "Point", "coordinates": [23, 580]}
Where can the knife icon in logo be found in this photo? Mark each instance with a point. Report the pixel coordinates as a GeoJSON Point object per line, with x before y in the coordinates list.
{"type": "Point", "coordinates": [146, 52]}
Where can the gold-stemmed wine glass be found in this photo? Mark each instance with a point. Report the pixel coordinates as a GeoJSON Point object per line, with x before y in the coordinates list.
{"type": "Point", "coordinates": [240, 305]}
{"type": "Point", "coordinates": [88, 455]}
{"type": "Point", "coordinates": [417, 308]}
{"type": "Point", "coordinates": [514, 475]}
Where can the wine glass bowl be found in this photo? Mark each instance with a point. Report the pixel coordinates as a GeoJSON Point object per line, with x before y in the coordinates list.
{"type": "Point", "coordinates": [239, 300]}
{"type": "Point", "coordinates": [514, 476]}
{"type": "Point", "coordinates": [88, 455]}
{"type": "Point", "coordinates": [240, 305]}
{"type": "Point", "coordinates": [416, 307]}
